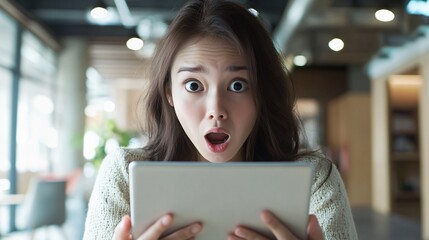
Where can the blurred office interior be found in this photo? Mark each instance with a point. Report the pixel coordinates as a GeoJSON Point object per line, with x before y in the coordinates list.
{"type": "Point", "coordinates": [72, 74]}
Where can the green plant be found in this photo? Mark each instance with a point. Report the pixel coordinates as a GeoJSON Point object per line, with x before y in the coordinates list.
{"type": "Point", "coordinates": [109, 130]}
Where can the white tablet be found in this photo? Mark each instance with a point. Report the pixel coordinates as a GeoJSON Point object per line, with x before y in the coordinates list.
{"type": "Point", "coordinates": [221, 196]}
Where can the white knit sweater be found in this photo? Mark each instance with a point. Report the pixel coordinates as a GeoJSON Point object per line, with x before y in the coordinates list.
{"type": "Point", "coordinates": [110, 199]}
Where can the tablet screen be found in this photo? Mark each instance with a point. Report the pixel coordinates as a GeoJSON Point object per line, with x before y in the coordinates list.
{"type": "Point", "coordinates": [221, 196]}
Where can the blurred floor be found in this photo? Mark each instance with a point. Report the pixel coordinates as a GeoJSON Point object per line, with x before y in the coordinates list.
{"type": "Point", "coordinates": [371, 225]}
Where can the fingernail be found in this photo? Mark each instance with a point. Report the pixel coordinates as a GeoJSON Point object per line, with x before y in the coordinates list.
{"type": "Point", "coordinates": [240, 233]}
{"type": "Point", "coordinates": [266, 217]}
{"type": "Point", "coordinates": [166, 220]}
{"type": "Point", "coordinates": [195, 229]}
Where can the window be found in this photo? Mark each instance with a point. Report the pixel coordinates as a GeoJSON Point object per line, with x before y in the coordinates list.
{"type": "Point", "coordinates": [37, 60]}
{"type": "Point", "coordinates": [36, 135]}
{"type": "Point", "coordinates": [8, 32]}
{"type": "Point", "coordinates": [5, 113]}
{"type": "Point", "coordinates": [7, 40]}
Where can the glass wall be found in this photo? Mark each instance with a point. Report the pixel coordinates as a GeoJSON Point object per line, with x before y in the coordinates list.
{"type": "Point", "coordinates": [36, 135]}
{"type": "Point", "coordinates": [7, 38]}
{"type": "Point", "coordinates": [5, 109]}
{"type": "Point", "coordinates": [8, 32]}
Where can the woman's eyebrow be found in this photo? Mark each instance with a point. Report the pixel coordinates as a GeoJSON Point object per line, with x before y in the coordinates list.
{"type": "Point", "coordinates": [232, 68]}
{"type": "Point", "coordinates": [236, 68]}
{"type": "Point", "coordinates": [191, 69]}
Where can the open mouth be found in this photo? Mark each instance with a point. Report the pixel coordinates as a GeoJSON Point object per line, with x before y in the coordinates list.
{"type": "Point", "coordinates": [217, 138]}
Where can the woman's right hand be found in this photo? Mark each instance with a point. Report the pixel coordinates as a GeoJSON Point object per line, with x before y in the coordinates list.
{"type": "Point", "coordinates": [154, 232]}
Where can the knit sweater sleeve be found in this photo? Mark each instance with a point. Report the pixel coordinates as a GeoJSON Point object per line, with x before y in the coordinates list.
{"type": "Point", "coordinates": [329, 202]}
{"type": "Point", "coordinates": [109, 200]}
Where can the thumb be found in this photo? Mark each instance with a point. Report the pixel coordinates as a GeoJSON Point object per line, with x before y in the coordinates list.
{"type": "Point", "coordinates": [314, 231]}
{"type": "Point", "coordinates": [122, 231]}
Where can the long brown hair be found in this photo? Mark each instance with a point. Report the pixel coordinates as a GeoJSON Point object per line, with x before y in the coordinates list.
{"type": "Point", "coordinates": [275, 136]}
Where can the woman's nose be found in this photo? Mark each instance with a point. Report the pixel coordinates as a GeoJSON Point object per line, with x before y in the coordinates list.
{"type": "Point", "coordinates": [215, 108]}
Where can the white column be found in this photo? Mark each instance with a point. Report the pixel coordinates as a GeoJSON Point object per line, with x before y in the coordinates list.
{"type": "Point", "coordinates": [70, 105]}
{"type": "Point", "coordinates": [424, 145]}
{"type": "Point", "coordinates": [380, 146]}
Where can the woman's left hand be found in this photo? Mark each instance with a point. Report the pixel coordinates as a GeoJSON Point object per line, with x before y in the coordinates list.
{"type": "Point", "coordinates": [280, 231]}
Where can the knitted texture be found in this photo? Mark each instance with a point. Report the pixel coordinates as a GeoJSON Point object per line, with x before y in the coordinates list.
{"type": "Point", "coordinates": [110, 198]}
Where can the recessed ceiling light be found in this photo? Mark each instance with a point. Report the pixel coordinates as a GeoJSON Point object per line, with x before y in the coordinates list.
{"type": "Point", "coordinates": [384, 15]}
{"type": "Point", "coordinates": [300, 60]}
{"type": "Point", "coordinates": [135, 43]}
{"type": "Point", "coordinates": [336, 44]}
{"type": "Point", "coordinates": [99, 13]}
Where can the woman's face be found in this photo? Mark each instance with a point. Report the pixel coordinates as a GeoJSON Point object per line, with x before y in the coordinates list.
{"type": "Point", "coordinates": [212, 98]}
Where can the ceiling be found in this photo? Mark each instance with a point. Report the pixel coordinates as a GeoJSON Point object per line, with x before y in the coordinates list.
{"type": "Point", "coordinates": [298, 26]}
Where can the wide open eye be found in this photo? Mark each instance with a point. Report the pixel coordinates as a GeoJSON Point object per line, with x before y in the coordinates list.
{"type": "Point", "coordinates": [193, 86]}
{"type": "Point", "coordinates": [238, 86]}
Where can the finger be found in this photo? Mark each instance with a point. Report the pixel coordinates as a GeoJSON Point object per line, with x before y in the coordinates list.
{"type": "Point", "coordinates": [231, 236]}
{"type": "Point", "coordinates": [187, 232]}
{"type": "Point", "coordinates": [122, 230]}
{"type": "Point", "coordinates": [314, 231]}
{"type": "Point", "coordinates": [245, 233]}
{"type": "Point", "coordinates": [280, 231]}
{"type": "Point", "coordinates": [156, 229]}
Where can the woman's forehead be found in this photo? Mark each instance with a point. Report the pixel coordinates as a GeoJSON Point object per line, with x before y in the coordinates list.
{"type": "Point", "coordinates": [198, 47]}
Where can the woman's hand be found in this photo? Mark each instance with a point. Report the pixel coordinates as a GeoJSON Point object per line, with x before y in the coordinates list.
{"type": "Point", "coordinates": [154, 232]}
{"type": "Point", "coordinates": [280, 231]}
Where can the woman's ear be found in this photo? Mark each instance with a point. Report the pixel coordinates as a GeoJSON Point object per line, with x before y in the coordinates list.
{"type": "Point", "coordinates": [170, 99]}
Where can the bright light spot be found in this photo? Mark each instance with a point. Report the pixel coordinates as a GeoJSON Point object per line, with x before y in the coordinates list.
{"type": "Point", "coordinates": [253, 11]}
{"type": "Point", "coordinates": [99, 13]}
{"type": "Point", "coordinates": [300, 60]}
{"type": "Point", "coordinates": [111, 145]}
{"type": "Point", "coordinates": [91, 140]}
{"type": "Point", "coordinates": [50, 138]}
{"type": "Point", "coordinates": [109, 106]}
{"type": "Point", "coordinates": [91, 111]}
{"type": "Point", "coordinates": [43, 104]}
{"type": "Point", "coordinates": [103, 17]}
{"type": "Point", "coordinates": [93, 76]}
{"type": "Point", "coordinates": [4, 184]}
{"type": "Point", "coordinates": [384, 15]}
{"type": "Point", "coordinates": [336, 44]}
{"type": "Point", "coordinates": [418, 7]}
{"type": "Point", "coordinates": [135, 43]}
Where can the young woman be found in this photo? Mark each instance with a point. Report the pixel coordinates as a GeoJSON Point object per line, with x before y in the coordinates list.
{"type": "Point", "coordinates": [219, 93]}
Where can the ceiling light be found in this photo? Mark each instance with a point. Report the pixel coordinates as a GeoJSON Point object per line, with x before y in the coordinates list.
{"type": "Point", "coordinates": [253, 11]}
{"type": "Point", "coordinates": [99, 11]}
{"type": "Point", "coordinates": [135, 43]}
{"type": "Point", "coordinates": [384, 15]}
{"type": "Point", "coordinates": [336, 44]}
{"type": "Point", "coordinates": [300, 60]}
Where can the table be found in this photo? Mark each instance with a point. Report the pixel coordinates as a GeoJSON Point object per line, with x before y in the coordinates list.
{"type": "Point", "coordinates": [10, 200]}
